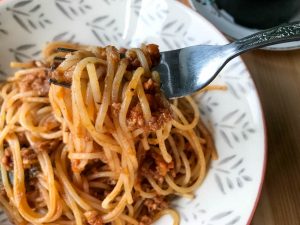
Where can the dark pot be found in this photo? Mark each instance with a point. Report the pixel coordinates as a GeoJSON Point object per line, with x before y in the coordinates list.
{"type": "Point", "coordinates": [260, 13]}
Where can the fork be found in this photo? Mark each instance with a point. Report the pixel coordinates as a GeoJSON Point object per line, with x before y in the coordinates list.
{"type": "Point", "coordinates": [187, 70]}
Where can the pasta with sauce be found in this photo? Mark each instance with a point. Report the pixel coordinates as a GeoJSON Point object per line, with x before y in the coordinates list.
{"type": "Point", "coordinates": [100, 144]}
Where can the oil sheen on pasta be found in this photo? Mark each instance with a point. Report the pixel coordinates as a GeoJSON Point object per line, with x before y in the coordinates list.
{"type": "Point", "coordinates": [108, 149]}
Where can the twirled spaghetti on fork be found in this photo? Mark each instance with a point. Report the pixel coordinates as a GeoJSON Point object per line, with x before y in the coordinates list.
{"type": "Point", "coordinates": [108, 148]}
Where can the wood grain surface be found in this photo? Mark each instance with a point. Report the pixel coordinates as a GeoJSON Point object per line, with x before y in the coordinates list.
{"type": "Point", "coordinates": [277, 78]}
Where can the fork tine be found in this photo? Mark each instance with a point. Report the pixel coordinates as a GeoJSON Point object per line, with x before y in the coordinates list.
{"type": "Point", "coordinates": [59, 83]}
{"type": "Point", "coordinates": [57, 58]}
{"type": "Point", "coordinates": [56, 61]}
{"type": "Point", "coordinates": [66, 50]}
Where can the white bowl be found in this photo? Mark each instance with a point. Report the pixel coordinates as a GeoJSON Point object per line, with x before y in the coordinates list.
{"type": "Point", "coordinates": [231, 189]}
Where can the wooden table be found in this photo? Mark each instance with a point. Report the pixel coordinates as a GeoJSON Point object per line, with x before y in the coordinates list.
{"type": "Point", "coordinates": [277, 78]}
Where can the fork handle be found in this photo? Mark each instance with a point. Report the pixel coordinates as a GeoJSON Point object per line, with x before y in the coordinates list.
{"type": "Point", "coordinates": [280, 34]}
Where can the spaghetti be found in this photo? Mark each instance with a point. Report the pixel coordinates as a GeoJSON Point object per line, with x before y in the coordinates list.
{"type": "Point", "coordinates": [107, 149]}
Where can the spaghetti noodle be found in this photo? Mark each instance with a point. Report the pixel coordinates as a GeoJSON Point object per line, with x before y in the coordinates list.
{"type": "Point", "coordinates": [108, 149]}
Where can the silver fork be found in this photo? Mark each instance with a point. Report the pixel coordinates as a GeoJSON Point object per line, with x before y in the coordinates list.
{"type": "Point", "coordinates": [184, 71]}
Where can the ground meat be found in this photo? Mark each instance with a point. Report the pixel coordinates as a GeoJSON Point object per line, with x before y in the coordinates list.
{"type": "Point", "coordinates": [154, 54]}
{"type": "Point", "coordinates": [22, 139]}
{"type": "Point", "coordinates": [93, 218]}
{"type": "Point", "coordinates": [7, 160]}
{"type": "Point", "coordinates": [145, 220]}
{"type": "Point", "coordinates": [158, 119]}
{"type": "Point", "coordinates": [146, 172]}
{"type": "Point", "coordinates": [151, 52]}
{"type": "Point", "coordinates": [162, 166]}
{"type": "Point", "coordinates": [62, 76]}
{"type": "Point", "coordinates": [156, 204]}
{"type": "Point", "coordinates": [46, 145]}
{"type": "Point", "coordinates": [135, 118]}
{"type": "Point", "coordinates": [34, 196]}
{"type": "Point", "coordinates": [29, 157]}
{"type": "Point", "coordinates": [37, 82]}
{"type": "Point", "coordinates": [153, 165]}
{"type": "Point", "coordinates": [159, 106]}
{"type": "Point", "coordinates": [157, 171]}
